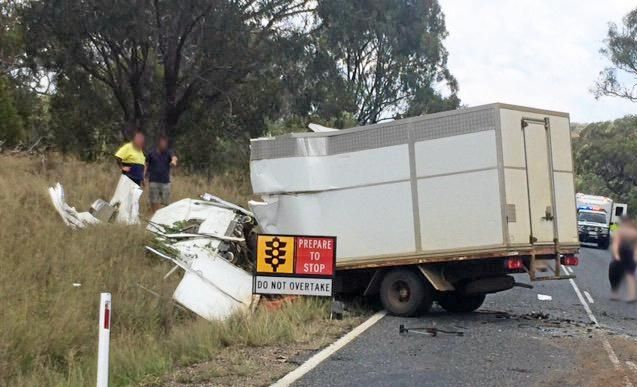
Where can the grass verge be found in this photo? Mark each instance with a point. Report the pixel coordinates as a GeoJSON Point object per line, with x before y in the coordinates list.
{"type": "Point", "coordinates": [48, 334]}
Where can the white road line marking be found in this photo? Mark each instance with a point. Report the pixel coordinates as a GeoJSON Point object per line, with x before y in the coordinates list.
{"type": "Point", "coordinates": [588, 297]}
{"type": "Point", "coordinates": [612, 356]}
{"type": "Point", "coordinates": [587, 308]}
{"type": "Point", "coordinates": [315, 360]}
{"type": "Point", "coordinates": [567, 269]}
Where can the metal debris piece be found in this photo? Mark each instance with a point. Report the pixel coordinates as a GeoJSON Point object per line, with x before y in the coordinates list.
{"type": "Point", "coordinates": [101, 210]}
{"type": "Point", "coordinates": [428, 331]}
{"type": "Point", "coordinates": [337, 310]}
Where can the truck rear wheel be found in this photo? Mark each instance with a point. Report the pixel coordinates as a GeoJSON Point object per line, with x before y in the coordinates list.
{"type": "Point", "coordinates": [456, 303]}
{"type": "Point", "coordinates": [405, 293]}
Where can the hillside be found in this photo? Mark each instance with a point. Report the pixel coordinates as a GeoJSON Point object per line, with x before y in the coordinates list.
{"type": "Point", "coordinates": [48, 335]}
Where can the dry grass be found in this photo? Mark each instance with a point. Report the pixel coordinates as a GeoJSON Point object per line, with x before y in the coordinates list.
{"type": "Point", "coordinates": [48, 329]}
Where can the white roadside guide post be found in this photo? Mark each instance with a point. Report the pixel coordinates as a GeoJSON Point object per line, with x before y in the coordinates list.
{"type": "Point", "coordinates": [104, 339]}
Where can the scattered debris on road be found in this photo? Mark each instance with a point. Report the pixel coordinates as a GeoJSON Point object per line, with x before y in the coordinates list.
{"type": "Point", "coordinates": [547, 324]}
{"type": "Point", "coordinates": [544, 297]}
{"type": "Point", "coordinates": [429, 331]}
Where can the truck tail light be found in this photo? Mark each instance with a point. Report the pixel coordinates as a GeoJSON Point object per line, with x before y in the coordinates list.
{"type": "Point", "coordinates": [569, 260]}
{"type": "Point", "coordinates": [514, 263]}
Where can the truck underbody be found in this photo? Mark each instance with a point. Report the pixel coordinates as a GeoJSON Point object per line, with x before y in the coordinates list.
{"type": "Point", "coordinates": [409, 285]}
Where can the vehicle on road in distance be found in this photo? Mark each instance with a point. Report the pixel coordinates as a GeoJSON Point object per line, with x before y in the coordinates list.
{"type": "Point", "coordinates": [443, 207]}
{"type": "Point", "coordinates": [592, 227]}
{"type": "Point", "coordinates": [595, 215]}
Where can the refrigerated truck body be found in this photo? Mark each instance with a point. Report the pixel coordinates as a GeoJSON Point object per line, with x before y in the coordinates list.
{"type": "Point", "coordinates": [442, 207]}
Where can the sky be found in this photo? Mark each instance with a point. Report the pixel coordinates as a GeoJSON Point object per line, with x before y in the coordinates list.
{"type": "Point", "coordinates": [538, 53]}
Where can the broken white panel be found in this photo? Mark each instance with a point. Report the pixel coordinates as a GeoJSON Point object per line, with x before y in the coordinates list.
{"type": "Point", "coordinates": [216, 220]}
{"type": "Point", "coordinates": [70, 215]}
{"type": "Point", "coordinates": [126, 198]}
{"type": "Point", "coordinates": [320, 173]}
{"type": "Point", "coordinates": [214, 288]}
{"type": "Point", "coordinates": [360, 225]}
{"type": "Point", "coordinates": [220, 202]}
{"type": "Point", "coordinates": [316, 128]}
{"type": "Point", "coordinates": [218, 223]}
{"type": "Point", "coordinates": [191, 249]}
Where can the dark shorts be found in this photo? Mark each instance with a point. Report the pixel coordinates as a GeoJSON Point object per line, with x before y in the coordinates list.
{"type": "Point", "coordinates": [159, 193]}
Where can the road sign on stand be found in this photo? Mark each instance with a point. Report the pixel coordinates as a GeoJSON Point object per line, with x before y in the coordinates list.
{"type": "Point", "coordinates": [295, 265]}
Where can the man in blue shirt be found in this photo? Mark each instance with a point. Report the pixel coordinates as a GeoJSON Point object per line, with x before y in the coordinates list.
{"type": "Point", "coordinates": [159, 162]}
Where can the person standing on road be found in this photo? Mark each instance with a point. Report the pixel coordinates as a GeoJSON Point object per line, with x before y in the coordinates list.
{"type": "Point", "coordinates": [131, 159]}
{"type": "Point", "coordinates": [160, 160]}
{"type": "Point", "coordinates": [623, 265]}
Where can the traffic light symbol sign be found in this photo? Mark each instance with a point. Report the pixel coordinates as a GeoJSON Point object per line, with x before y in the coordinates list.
{"type": "Point", "coordinates": [275, 253]}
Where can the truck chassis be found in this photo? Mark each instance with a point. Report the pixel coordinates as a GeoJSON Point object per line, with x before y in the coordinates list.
{"type": "Point", "coordinates": [408, 285]}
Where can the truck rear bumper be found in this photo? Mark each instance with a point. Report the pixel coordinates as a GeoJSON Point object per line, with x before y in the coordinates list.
{"type": "Point", "coordinates": [599, 238]}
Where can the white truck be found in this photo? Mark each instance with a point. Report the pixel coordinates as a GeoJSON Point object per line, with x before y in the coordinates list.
{"type": "Point", "coordinates": [595, 215]}
{"type": "Point", "coordinates": [444, 207]}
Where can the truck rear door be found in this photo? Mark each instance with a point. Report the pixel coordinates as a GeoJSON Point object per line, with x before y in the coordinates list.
{"type": "Point", "coordinates": [539, 182]}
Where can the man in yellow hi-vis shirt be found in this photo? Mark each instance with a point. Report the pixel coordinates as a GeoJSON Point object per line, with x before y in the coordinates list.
{"type": "Point", "coordinates": [131, 159]}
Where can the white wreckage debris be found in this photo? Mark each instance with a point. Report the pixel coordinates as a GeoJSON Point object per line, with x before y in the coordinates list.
{"type": "Point", "coordinates": [70, 215]}
{"type": "Point", "coordinates": [126, 200]}
{"type": "Point", "coordinates": [123, 207]}
{"type": "Point", "coordinates": [208, 239]}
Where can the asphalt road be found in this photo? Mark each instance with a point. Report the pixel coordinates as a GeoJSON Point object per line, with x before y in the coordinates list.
{"type": "Point", "coordinates": [514, 339]}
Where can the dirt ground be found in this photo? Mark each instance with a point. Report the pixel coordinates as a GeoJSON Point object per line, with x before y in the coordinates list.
{"type": "Point", "coordinates": [593, 367]}
{"type": "Point", "coordinates": [255, 366]}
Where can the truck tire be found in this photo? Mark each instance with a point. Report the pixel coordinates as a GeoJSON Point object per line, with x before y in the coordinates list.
{"type": "Point", "coordinates": [603, 244]}
{"type": "Point", "coordinates": [457, 303]}
{"type": "Point", "coordinates": [404, 292]}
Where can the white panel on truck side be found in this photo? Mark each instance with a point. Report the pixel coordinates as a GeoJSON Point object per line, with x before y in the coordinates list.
{"type": "Point", "coordinates": [566, 213]}
{"type": "Point", "coordinates": [460, 211]}
{"type": "Point", "coordinates": [512, 140]}
{"type": "Point", "coordinates": [561, 144]}
{"type": "Point", "coordinates": [321, 173]}
{"type": "Point", "coordinates": [454, 154]}
{"type": "Point", "coordinates": [517, 205]}
{"type": "Point", "coordinates": [565, 207]}
{"type": "Point", "coordinates": [367, 221]}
